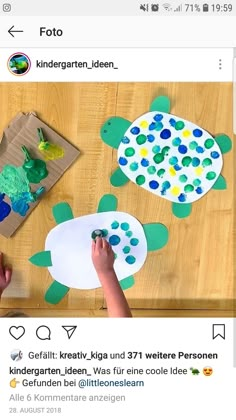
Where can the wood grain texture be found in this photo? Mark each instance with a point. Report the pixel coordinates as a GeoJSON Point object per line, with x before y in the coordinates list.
{"type": "Point", "coordinates": [195, 270]}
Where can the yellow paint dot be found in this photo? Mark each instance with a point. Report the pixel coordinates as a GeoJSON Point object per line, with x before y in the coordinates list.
{"type": "Point", "coordinates": [144, 124]}
{"type": "Point", "coordinates": [175, 190]}
{"type": "Point", "coordinates": [199, 170]}
{"type": "Point", "coordinates": [186, 133]}
{"type": "Point", "coordinates": [172, 171]}
{"type": "Point", "coordinates": [143, 152]}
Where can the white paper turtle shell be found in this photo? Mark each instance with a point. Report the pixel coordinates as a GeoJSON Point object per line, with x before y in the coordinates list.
{"type": "Point", "coordinates": [171, 157]}
{"type": "Point", "coordinates": [70, 247]}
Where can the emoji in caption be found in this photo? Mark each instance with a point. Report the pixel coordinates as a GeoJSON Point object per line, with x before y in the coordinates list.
{"type": "Point", "coordinates": [207, 371]}
{"type": "Point", "coordinates": [194, 371]}
{"type": "Point", "coordinates": [13, 383]}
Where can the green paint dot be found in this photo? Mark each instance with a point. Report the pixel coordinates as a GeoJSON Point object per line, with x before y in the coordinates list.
{"type": "Point", "coordinates": [115, 256]}
{"type": "Point", "coordinates": [193, 145]}
{"type": "Point", "coordinates": [115, 225]}
{"type": "Point", "coordinates": [151, 170]}
{"type": "Point", "coordinates": [126, 249]}
{"type": "Point", "coordinates": [161, 173]}
{"type": "Point", "coordinates": [179, 125]}
{"type": "Point", "coordinates": [159, 126]}
{"type": "Point", "coordinates": [140, 180]}
{"type": "Point", "coordinates": [156, 149]}
{"type": "Point", "coordinates": [134, 241]}
{"type": "Point", "coordinates": [133, 166]}
{"type": "Point", "coordinates": [176, 141]}
{"type": "Point", "coordinates": [188, 188]}
{"type": "Point", "coordinates": [124, 226]}
{"type": "Point", "coordinates": [165, 150]}
{"type": "Point", "coordinates": [209, 143]}
{"type": "Point", "coordinates": [210, 175]}
{"type": "Point", "coordinates": [141, 139]}
{"type": "Point", "coordinates": [104, 232]}
{"type": "Point", "coordinates": [206, 162]}
{"type": "Point", "coordinates": [129, 234]}
{"type": "Point", "coordinates": [129, 151]}
{"type": "Point", "coordinates": [186, 161]}
{"type": "Point", "coordinates": [158, 158]}
{"type": "Point", "coordinates": [197, 182]}
{"type": "Point", "coordinates": [183, 178]}
{"type": "Point", "coordinates": [130, 259]}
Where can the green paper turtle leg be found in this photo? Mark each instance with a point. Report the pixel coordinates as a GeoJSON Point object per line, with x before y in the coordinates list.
{"type": "Point", "coordinates": [181, 210]}
{"type": "Point", "coordinates": [161, 104]}
{"type": "Point", "coordinates": [224, 142]}
{"type": "Point", "coordinates": [127, 282]}
{"type": "Point", "coordinates": [113, 130]}
{"type": "Point", "coordinates": [56, 292]}
{"type": "Point", "coordinates": [118, 178]}
{"type": "Point", "coordinates": [62, 212]}
{"type": "Point", "coordinates": [220, 183]}
{"type": "Point", "coordinates": [41, 259]}
{"type": "Point", "coordinates": [156, 235]}
{"type": "Point", "coordinates": [108, 202]}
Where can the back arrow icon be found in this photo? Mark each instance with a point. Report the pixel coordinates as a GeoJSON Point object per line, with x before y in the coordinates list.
{"type": "Point", "coordinates": [11, 32]}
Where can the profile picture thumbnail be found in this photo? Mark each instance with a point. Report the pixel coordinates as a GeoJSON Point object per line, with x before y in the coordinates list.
{"type": "Point", "coordinates": [19, 64]}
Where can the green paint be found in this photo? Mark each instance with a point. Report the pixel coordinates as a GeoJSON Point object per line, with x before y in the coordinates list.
{"type": "Point", "coordinates": [186, 161]}
{"type": "Point", "coordinates": [206, 162]}
{"type": "Point", "coordinates": [141, 139]}
{"type": "Point", "coordinates": [127, 283]}
{"type": "Point", "coordinates": [209, 143]}
{"type": "Point", "coordinates": [197, 182]}
{"type": "Point", "coordinates": [179, 125]}
{"type": "Point", "coordinates": [124, 226]}
{"type": "Point", "coordinates": [133, 166]}
{"type": "Point", "coordinates": [35, 169]}
{"type": "Point", "coordinates": [129, 151]}
{"type": "Point", "coordinates": [183, 178]}
{"type": "Point", "coordinates": [130, 259]}
{"type": "Point", "coordinates": [193, 145]}
{"type": "Point", "coordinates": [140, 180]}
{"type": "Point", "coordinates": [220, 183]}
{"type": "Point", "coordinates": [156, 149]}
{"type": "Point", "coordinates": [161, 173]}
{"type": "Point", "coordinates": [99, 233]}
{"type": "Point", "coordinates": [161, 104]}
{"type": "Point", "coordinates": [134, 241]}
{"type": "Point", "coordinates": [210, 175]}
{"type": "Point", "coordinates": [14, 181]}
{"type": "Point", "coordinates": [56, 292]}
{"type": "Point", "coordinates": [105, 232]}
{"type": "Point", "coordinates": [165, 150]}
{"type": "Point", "coordinates": [188, 188]}
{"type": "Point", "coordinates": [41, 259]}
{"type": "Point", "coordinates": [181, 210]}
{"type": "Point", "coordinates": [115, 225]}
{"type": "Point", "coordinates": [126, 249]}
{"type": "Point", "coordinates": [108, 202]}
{"type": "Point", "coordinates": [158, 158]}
{"type": "Point", "coordinates": [224, 142]}
{"type": "Point", "coordinates": [159, 126]}
{"type": "Point", "coordinates": [156, 235]}
{"type": "Point", "coordinates": [151, 170]}
{"type": "Point", "coordinates": [113, 130]}
{"type": "Point", "coordinates": [115, 256]}
{"type": "Point", "coordinates": [118, 178]}
{"type": "Point", "coordinates": [129, 234]}
{"type": "Point", "coordinates": [62, 212]}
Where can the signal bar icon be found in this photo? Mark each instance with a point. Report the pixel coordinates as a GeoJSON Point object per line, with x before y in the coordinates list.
{"type": "Point", "coordinates": [179, 8]}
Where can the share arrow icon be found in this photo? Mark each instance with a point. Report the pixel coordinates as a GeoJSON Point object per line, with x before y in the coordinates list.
{"type": "Point", "coordinates": [70, 329]}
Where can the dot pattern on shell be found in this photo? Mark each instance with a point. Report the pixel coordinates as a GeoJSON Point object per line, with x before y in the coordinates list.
{"type": "Point", "coordinates": [120, 233]}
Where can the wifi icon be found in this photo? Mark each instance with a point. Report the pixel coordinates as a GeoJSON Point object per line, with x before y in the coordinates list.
{"type": "Point", "coordinates": [167, 7]}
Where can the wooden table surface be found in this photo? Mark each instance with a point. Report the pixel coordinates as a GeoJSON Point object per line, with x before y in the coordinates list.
{"type": "Point", "coordinates": [195, 270]}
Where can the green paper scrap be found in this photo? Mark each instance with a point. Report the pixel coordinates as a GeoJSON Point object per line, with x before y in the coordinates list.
{"type": "Point", "coordinates": [62, 212]}
{"type": "Point", "coordinates": [56, 292]}
{"type": "Point", "coordinates": [224, 142]}
{"type": "Point", "coordinates": [156, 235]}
{"type": "Point", "coordinates": [127, 282]}
{"type": "Point", "coordinates": [181, 210]}
{"type": "Point", "coordinates": [220, 183]}
{"type": "Point", "coordinates": [113, 130]}
{"type": "Point", "coordinates": [107, 203]}
{"type": "Point", "coordinates": [161, 104]}
{"type": "Point", "coordinates": [41, 259]}
{"type": "Point", "coordinates": [118, 178]}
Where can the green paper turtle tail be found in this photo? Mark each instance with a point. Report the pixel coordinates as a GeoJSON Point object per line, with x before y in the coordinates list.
{"type": "Point", "coordinates": [56, 292]}
{"type": "Point", "coordinates": [108, 202]}
{"type": "Point", "coordinates": [220, 183]}
{"type": "Point", "coordinates": [118, 178]}
{"type": "Point", "coordinates": [181, 210]}
{"type": "Point", "coordinates": [41, 259]}
{"type": "Point", "coordinates": [127, 282]}
{"type": "Point", "coordinates": [62, 212]}
{"type": "Point", "coordinates": [224, 142]}
{"type": "Point", "coordinates": [113, 130]}
{"type": "Point", "coordinates": [157, 236]}
{"type": "Point", "coordinates": [161, 104]}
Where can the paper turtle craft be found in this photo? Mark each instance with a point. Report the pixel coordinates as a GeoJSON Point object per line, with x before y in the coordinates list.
{"type": "Point", "coordinates": [67, 251]}
{"type": "Point", "coordinates": [167, 155]}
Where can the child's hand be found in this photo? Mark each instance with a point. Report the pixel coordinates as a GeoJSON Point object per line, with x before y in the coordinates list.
{"type": "Point", "coordinates": [102, 256]}
{"type": "Point", "coordinates": [5, 275]}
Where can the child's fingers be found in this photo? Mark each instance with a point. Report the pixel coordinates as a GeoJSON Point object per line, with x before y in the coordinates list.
{"type": "Point", "coordinates": [1, 263]}
{"type": "Point", "coordinates": [98, 244]}
{"type": "Point", "coordinates": [106, 245]}
{"type": "Point", "coordinates": [8, 274]}
{"type": "Point", "coordinates": [93, 246]}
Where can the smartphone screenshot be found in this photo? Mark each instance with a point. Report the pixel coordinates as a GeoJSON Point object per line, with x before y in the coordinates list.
{"type": "Point", "coordinates": [117, 210]}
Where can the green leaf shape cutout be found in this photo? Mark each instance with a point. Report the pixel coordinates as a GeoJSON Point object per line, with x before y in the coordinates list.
{"type": "Point", "coordinates": [41, 259]}
{"type": "Point", "coordinates": [220, 183]}
{"type": "Point", "coordinates": [157, 235]}
{"type": "Point", "coordinates": [224, 142]}
{"type": "Point", "coordinates": [118, 178]}
{"type": "Point", "coordinates": [127, 282]}
{"type": "Point", "coordinates": [113, 130]}
{"type": "Point", "coordinates": [161, 104]}
{"type": "Point", "coordinates": [181, 210]}
{"type": "Point", "coordinates": [56, 292]}
{"type": "Point", "coordinates": [108, 202]}
{"type": "Point", "coordinates": [62, 212]}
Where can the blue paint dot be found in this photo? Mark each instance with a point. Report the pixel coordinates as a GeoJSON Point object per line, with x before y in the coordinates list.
{"type": "Point", "coordinates": [199, 190]}
{"type": "Point", "coordinates": [165, 134]}
{"type": "Point", "coordinates": [182, 198]}
{"type": "Point", "coordinates": [150, 138]}
{"type": "Point", "coordinates": [123, 161]}
{"type": "Point", "coordinates": [114, 240]}
{"type": "Point", "coordinates": [177, 167]}
{"type": "Point", "coordinates": [130, 259]}
{"type": "Point", "coordinates": [145, 162]}
{"type": "Point", "coordinates": [125, 140]}
{"type": "Point", "coordinates": [152, 126]}
{"type": "Point", "coordinates": [176, 141]}
{"type": "Point", "coordinates": [199, 149]}
{"type": "Point", "coordinates": [197, 132]}
{"type": "Point", "coordinates": [158, 117]}
{"type": "Point", "coordinates": [134, 241]}
{"type": "Point", "coordinates": [115, 225]}
{"type": "Point", "coordinates": [153, 185]}
{"type": "Point", "coordinates": [182, 149]}
{"type": "Point", "coordinates": [173, 160]}
{"type": "Point", "coordinates": [135, 130]}
{"type": "Point", "coordinates": [172, 122]}
{"type": "Point", "coordinates": [124, 226]}
{"type": "Point", "coordinates": [195, 162]}
{"type": "Point", "coordinates": [215, 155]}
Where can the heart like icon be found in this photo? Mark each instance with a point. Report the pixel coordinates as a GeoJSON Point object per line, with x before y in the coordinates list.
{"type": "Point", "coordinates": [17, 332]}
